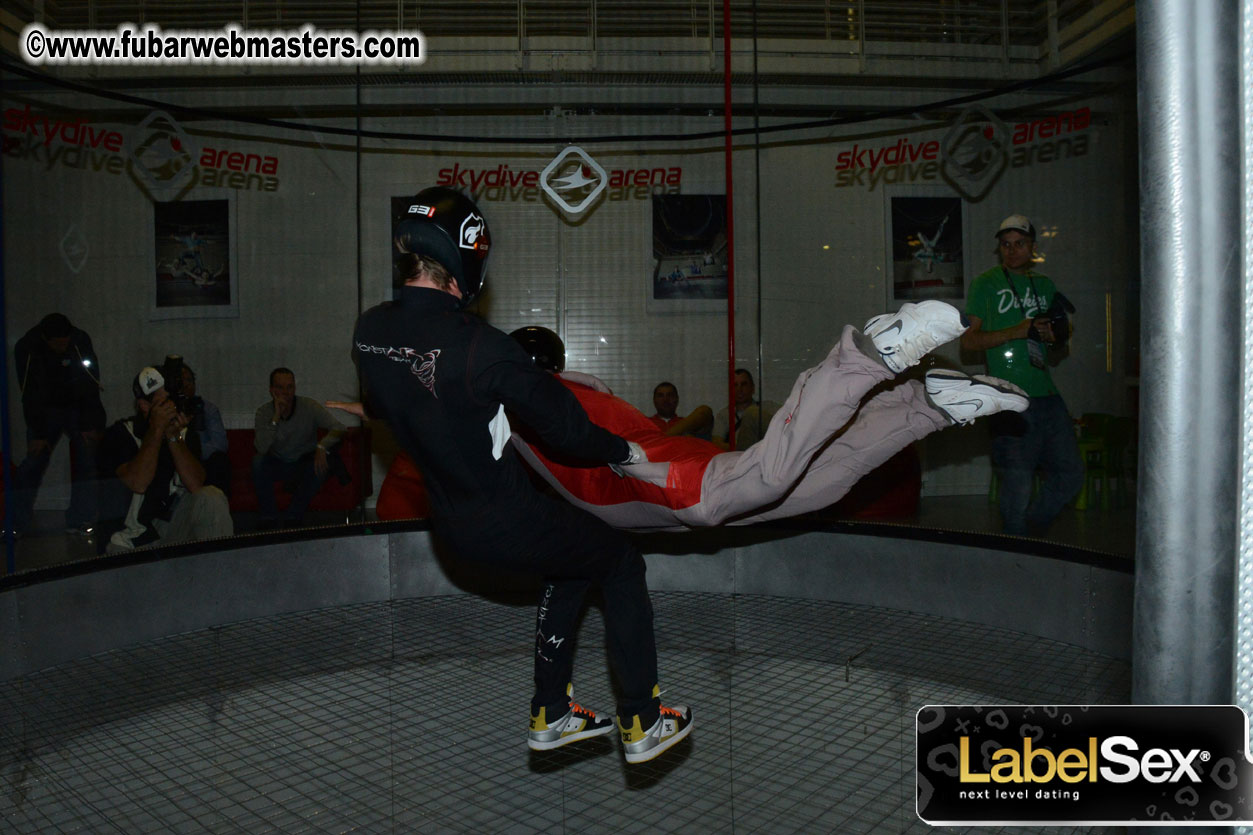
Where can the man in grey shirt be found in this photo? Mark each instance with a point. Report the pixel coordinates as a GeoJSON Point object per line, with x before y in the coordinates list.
{"type": "Point", "coordinates": [288, 448]}
{"type": "Point", "coordinates": [751, 416]}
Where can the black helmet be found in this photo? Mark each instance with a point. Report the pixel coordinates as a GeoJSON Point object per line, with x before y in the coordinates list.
{"type": "Point", "coordinates": [446, 226]}
{"type": "Point", "coordinates": [543, 346]}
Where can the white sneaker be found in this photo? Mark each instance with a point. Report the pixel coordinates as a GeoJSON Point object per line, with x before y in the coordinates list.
{"type": "Point", "coordinates": [903, 338]}
{"type": "Point", "coordinates": [575, 724]}
{"type": "Point", "coordinates": [962, 398]}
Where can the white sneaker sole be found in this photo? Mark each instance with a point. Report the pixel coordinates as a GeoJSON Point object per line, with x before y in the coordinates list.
{"type": "Point", "coordinates": [566, 740]}
{"type": "Point", "coordinates": [931, 323]}
{"type": "Point", "coordinates": [973, 397]}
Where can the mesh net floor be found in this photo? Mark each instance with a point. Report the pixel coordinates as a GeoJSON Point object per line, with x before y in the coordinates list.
{"type": "Point", "coordinates": [410, 717]}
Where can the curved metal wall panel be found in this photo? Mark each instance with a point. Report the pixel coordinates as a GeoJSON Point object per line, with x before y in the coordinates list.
{"type": "Point", "coordinates": [47, 623]}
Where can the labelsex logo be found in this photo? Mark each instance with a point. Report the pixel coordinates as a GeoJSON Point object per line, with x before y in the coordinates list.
{"type": "Point", "coordinates": [1073, 765]}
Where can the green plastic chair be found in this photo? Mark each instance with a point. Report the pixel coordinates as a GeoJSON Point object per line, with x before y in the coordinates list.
{"type": "Point", "coordinates": [1104, 443]}
{"type": "Point", "coordinates": [994, 487]}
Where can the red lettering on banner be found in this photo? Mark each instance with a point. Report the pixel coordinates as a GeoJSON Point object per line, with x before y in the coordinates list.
{"type": "Point", "coordinates": [79, 133]}
{"type": "Point", "coordinates": [504, 182]}
{"type": "Point", "coordinates": [1067, 122]}
{"type": "Point", "coordinates": [883, 161]}
{"type": "Point", "coordinates": [236, 161]}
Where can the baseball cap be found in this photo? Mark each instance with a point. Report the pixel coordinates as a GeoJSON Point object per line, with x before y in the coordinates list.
{"type": "Point", "coordinates": [1017, 223]}
{"type": "Point", "coordinates": [146, 382]}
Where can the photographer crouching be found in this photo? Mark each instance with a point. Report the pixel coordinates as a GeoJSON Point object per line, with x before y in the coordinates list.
{"type": "Point", "coordinates": [157, 460]}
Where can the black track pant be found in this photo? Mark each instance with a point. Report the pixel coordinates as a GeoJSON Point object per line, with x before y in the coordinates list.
{"type": "Point", "coordinates": [571, 550]}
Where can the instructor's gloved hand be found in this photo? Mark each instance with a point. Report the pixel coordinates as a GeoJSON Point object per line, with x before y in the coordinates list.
{"type": "Point", "coordinates": [638, 466]}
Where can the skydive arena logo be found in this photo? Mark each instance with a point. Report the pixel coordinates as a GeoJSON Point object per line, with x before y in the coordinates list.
{"type": "Point", "coordinates": [74, 249]}
{"type": "Point", "coordinates": [975, 152]}
{"type": "Point", "coordinates": [1096, 765]}
{"type": "Point", "coordinates": [162, 157]}
{"type": "Point", "coordinates": [157, 154]}
{"type": "Point", "coordinates": [573, 180]}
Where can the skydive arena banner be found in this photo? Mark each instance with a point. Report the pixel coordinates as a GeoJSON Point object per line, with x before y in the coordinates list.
{"type": "Point", "coordinates": [1099, 765]}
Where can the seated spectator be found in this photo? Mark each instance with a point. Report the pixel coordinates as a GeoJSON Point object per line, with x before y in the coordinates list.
{"type": "Point", "coordinates": [288, 449]}
{"type": "Point", "coordinates": [752, 417]}
{"type": "Point", "coordinates": [212, 433]}
{"type": "Point", "coordinates": [668, 420]}
{"type": "Point", "coordinates": [157, 459]}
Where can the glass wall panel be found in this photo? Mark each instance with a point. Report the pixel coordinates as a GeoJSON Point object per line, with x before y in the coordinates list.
{"type": "Point", "coordinates": [241, 217]}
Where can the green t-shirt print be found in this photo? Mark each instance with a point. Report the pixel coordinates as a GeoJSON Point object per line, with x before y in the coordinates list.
{"type": "Point", "coordinates": [1002, 299]}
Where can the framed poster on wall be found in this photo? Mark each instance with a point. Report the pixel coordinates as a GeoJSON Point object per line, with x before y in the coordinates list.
{"type": "Point", "coordinates": [689, 254]}
{"type": "Point", "coordinates": [194, 274]}
{"type": "Point", "coordinates": [926, 251]}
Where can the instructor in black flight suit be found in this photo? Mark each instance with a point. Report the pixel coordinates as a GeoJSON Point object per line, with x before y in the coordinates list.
{"type": "Point", "coordinates": [442, 379]}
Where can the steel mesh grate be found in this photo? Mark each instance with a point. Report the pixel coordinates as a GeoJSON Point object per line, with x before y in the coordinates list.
{"type": "Point", "coordinates": [409, 717]}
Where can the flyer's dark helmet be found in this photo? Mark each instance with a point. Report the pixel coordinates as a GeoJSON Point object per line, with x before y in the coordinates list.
{"type": "Point", "coordinates": [446, 226]}
{"type": "Point", "coordinates": [543, 346]}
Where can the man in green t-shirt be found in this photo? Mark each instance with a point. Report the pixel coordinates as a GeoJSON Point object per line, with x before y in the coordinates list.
{"type": "Point", "coordinates": [1005, 307]}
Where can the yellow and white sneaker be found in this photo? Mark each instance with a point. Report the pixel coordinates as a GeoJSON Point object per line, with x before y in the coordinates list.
{"type": "Point", "coordinates": [641, 745]}
{"type": "Point", "coordinates": [577, 723]}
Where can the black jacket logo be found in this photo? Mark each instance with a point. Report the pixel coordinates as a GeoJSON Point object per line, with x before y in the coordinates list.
{"type": "Point", "coordinates": [421, 364]}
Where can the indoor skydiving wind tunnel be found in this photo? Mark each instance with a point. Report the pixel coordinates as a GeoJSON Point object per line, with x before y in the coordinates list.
{"type": "Point", "coordinates": [677, 193]}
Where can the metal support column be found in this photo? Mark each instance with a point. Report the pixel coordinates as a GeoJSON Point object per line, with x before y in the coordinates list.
{"type": "Point", "coordinates": [1244, 569]}
{"type": "Point", "coordinates": [1191, 246]}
